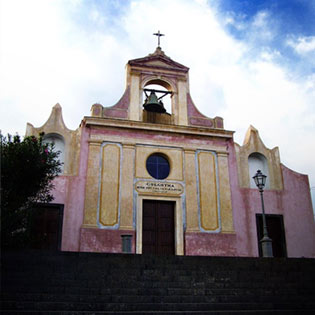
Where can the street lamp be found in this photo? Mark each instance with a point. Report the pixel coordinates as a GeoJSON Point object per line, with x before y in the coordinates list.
{"type": "Point", "coordinates": [266, 242]}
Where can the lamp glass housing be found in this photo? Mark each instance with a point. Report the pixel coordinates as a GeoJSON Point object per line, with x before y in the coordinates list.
{"type": "Point", "coordinates": [260, 180]}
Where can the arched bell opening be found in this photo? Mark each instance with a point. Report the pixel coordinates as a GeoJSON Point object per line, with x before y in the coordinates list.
{"type": "Point", "coordinates": [157, 100]}
{"type": "Point", "coordinates": [163, 86]}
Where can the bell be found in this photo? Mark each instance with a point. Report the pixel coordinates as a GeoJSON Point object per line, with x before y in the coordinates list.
{"type": "Point", "coordinates": [152, 104]}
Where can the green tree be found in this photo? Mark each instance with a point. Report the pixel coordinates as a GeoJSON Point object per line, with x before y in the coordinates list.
{"type": "Point", "coordinates": [28, 168]}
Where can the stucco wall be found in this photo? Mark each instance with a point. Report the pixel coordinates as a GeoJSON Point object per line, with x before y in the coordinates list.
{"type": "Point", "coordinates": [293, 202]}
{"type": "Point", "coordinates": [205, 158]}
{"type": "Point", "coordinates": [245, 202]}
{"type": "Point", "coordinates": [69, 190]}
{"type": "Point", "coordinates": [298, 214]}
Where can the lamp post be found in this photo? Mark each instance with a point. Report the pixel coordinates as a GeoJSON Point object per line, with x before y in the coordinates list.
{"type": "Point", "coordinates": [266, 241]}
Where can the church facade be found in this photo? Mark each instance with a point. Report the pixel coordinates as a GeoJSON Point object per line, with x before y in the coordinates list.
{"type": "Point", "coordinates": [141, 180]}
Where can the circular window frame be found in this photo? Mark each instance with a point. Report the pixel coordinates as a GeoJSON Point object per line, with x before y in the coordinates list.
{"type": "Point", "coordinates": [155, 172]}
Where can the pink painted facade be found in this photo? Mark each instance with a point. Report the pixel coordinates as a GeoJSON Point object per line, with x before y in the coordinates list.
{"type": "Point", "coordinates": [293, 203]}
{"type": "Point", "coordinates": [288, 198]}
{"type": "Point", "coordinates": [70, 191]}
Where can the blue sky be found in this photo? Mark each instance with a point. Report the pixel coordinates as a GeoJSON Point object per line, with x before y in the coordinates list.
{"type": "Point", "coordinates": [251, 62]}
{"type": "Point", "coordinates": [290, 21]}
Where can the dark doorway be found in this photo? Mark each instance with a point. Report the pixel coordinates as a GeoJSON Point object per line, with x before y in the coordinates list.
{"type": "Point", "coordinates": [158, 235]}
{"type": "Point", "coordinates": [276, 232]}
{"type": "Point", "coordinates": [46, 226]}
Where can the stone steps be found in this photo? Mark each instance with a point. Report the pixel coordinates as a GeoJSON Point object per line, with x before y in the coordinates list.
{"type": "Point", "coordinates": [90, 283]}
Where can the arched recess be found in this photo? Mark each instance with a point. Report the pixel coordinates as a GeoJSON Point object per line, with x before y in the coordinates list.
{"type": "Point", "coordinates": [161, 84]}
{"type": "Point", "coordinates": [59, 145]}
{"type": "Point", "coordinates": [257, 161]}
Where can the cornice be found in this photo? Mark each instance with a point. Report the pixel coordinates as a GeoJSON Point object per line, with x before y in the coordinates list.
{"type": "Point", "coordinates": [141, 126]}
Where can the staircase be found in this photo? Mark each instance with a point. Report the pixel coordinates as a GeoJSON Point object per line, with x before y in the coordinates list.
{"type": "Point", "coordinates": [91, 283]}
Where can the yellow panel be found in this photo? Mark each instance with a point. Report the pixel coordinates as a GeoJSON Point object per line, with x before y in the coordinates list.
{"type": "Point", "coordinates": [91, 192]}
{"type": "Point", "coordinates": [109, 199]}
{"type": "Point", "coordinates": [174, 157]}
{"type": "Point", "coordinates": [208, 191]}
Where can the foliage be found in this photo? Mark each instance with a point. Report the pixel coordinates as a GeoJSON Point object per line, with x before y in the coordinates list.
{"type": "Point", "coordinates": [28, 168]}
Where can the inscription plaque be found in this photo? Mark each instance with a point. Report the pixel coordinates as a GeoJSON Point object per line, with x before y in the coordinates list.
{"type": "Point", "coordinates": [159, 188]}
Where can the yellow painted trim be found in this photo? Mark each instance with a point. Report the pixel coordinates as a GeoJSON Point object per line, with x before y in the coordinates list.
{"type": "Point", "coordinates": [200, 193]}
{"type": "Point", "coordinates": [118, 184]}
{"type": "Point", "coordinates": [91, 226]}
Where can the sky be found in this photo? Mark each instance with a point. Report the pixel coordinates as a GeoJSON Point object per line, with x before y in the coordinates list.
{"type": "Point", "coordinates": [251, 62]}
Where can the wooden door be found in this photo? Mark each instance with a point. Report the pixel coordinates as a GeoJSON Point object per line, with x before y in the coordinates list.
{"type": "Point", "coordinates": [275, 228]}
{"type": "Point", "coordinates": [46, 226]}
{"type": "Point", "coordinates": [158, 235]}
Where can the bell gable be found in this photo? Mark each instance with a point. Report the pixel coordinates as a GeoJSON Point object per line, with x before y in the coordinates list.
{"type": "Point", "coordinates": [158, 60]}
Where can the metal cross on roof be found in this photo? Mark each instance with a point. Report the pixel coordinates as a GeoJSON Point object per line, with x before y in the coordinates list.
{"type": "Point", "coordinates": [158, 34]}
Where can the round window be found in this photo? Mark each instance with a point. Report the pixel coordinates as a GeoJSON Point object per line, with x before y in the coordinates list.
{"type": "Point", "coordinates": [158, 166]}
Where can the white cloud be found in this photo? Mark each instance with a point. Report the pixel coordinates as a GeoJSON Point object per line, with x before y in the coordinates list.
{"type": "Point", "coordinates": [283, 111]}
{"type": "Point", "coordinates": [260, 28]}
{"type": "Point", "coordinates": [303, 45]}
{"type": "Point", "coordinates": [95, 16]}
{"type": "Point", "coordinates": [235, 20]}
{"type": "Point", "coordinates": [47, 58]}
{"type": "Point", "coordinates": [270, 56]}
{"type": "Point", "coordinates": [260, 20]}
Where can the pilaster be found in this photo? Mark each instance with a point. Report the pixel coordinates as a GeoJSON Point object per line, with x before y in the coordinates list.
{"type": "Point", "coordinates": [225, 194]}
{"type": "Point", "coordinates": [128, 171]}
{"type": "Point", "coordinates": [191, 192]}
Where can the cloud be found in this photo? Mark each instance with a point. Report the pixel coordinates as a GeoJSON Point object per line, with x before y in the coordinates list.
{"type": "Point", "coordinates": [260, 20]}
{"type": "Point", "coordinates": [261, 94]}
{"type": "Point", "coordinates": [303, 45]}
{"type": "Point", "coordinates": [47, 57]}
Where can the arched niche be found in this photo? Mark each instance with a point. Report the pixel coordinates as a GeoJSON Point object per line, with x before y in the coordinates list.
{"type": "Point", "coordinates": [257, 161]}
{"type": "Point", "coordinates": [59, 145]}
